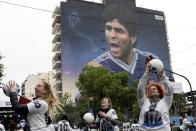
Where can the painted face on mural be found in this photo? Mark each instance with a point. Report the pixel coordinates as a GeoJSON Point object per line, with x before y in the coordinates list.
{"type": "Point", "coordinates": [119, 41]}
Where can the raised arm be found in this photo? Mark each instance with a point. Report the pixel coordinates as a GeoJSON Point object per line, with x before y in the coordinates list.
{"type": "Point", "coordinates": [166, 83]}
{"type": "Point", "coordinates": [20, 108]}
{"type": "Point", "coordinates": [143, 83]}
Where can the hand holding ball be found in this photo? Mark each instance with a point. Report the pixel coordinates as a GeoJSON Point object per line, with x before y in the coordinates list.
{"type": "Point", "coordinates": [156, 66]}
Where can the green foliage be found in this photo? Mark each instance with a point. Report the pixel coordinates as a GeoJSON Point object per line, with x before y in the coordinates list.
{"type": "Point", "coordinates": [68, 104]}
{"type": "Point", "coordinates": [178, 105]}
{"type": "Point", "coordinates": [68, 108]}
{"type": "Point", "coordinates": [83, 107]}
{"type": "Point", "coordinates": [136, 110]}
{"type": "Point", "coordinates": [98, 82]}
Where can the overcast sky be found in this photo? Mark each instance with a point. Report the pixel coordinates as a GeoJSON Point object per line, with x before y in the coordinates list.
{"type": "Point", "coordinates": [25, 37]}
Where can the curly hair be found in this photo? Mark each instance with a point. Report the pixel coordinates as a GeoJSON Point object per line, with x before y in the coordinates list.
{"type": "Point", "coordinates": [159, 87]}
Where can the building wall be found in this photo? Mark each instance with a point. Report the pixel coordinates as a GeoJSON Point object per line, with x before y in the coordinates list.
{"type": "Point", "coordinates": [28, 86]}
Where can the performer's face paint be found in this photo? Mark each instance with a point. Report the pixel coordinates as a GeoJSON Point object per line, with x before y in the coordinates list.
{"type": "Point", "coordinates": [154, 91]}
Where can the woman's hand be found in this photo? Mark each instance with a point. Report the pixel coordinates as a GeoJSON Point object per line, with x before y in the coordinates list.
{"type": "Point", "coordinates": [148, 67]}
{"type": "Point", "coordinates": [102, 114]}
{"type": "Point", "coordinates": [12, 86]}
{"type": "Point", "coordinates": [161, 74]}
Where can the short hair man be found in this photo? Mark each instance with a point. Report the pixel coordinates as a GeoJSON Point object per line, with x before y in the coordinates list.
{"type": "Point", "coordinates": [121, 33]}
{"type": "Point", "coordinates": [155, 102]}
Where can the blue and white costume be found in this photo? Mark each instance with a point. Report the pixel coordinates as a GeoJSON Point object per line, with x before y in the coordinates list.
{"type": "Point", "coordinates": [154, 117]}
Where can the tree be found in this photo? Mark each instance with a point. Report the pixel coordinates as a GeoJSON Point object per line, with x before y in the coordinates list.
{"type": "Point", "coordinates": [136, 110]}
{"type": "Point", "coordinates": [98, 82]}
{"type": "Point", "coordinates": [178, 105]}
{"type": "Point", "coordinates": [68, 108]}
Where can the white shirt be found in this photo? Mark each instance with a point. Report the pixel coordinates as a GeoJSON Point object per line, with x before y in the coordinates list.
{"type": "Point", "coordinates": [2, 127]}
{"type": "Point", "coordinates": [36, 115]}
{"type": "Point", "coordinates": [157, 118]}
{"type": "Point", "coordinates": [162, 108]}
{"type": "Point", "coordinates": [184, 124]}
{"type": "Point", "coordinates": [63, 125]}
{"type": "Point", "coordinates": [51, 126]}
{"type": "Point", "coordinates": [112, 115]}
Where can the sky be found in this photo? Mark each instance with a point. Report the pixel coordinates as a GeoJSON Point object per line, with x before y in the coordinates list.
{"type": "Point", "coordinates": [25, 37]}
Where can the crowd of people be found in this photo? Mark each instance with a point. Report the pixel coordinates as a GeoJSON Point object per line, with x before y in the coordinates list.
{"type": "Point", "coordinates": [155, 99]}
{"type": "Point", "coordinates": [12, 122]}
{"type": "Point", "coordinates": [101, 122]}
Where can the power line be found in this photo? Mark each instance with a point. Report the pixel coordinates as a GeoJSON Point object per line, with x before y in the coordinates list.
{"type": "Point", "coordinates": [44, 10]}
{"type": "Point", "coordinates": [27, 7]}
{"type": "Point", "coordinates": [186, 27]}
{"type": "Point", "coordinates": [179, 52]}
{"type": "Point", "coordinates": [85, 17]}
{"type": "Point", "coordinates": [186, 66]}
{"type": "Point", "coordinates": [49, 11]}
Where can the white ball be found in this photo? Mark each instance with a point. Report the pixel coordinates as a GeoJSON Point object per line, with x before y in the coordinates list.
{"type": "Point", "coordinates": [157, 65]}
{"type": "Point", "coordinates": [6, 89]}
{"type": "Point", "coordinates": [88, 117]}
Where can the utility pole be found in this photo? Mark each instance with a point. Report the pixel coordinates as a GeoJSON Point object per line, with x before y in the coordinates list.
{"type": "Point", "coordinates": [191, 91]}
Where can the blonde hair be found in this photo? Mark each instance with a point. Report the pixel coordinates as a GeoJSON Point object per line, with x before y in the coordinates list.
{"type": "Point", "coordinates": [51, 99]}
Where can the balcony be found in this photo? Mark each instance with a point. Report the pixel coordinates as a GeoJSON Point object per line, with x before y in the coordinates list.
{"type": "Point", "coordinates": [56, 55]}
{"type": "Point", "coordinates": [57, 38]}
{"type": "Point", "coordinates": [57, 85]}
{"type": "Point", "coordinates": [56, 20]}
{"type": "Point", "coordinates": [59, 93]}
{"type": "Point", "coordinates": [56, 11]}
{"type": "Point", "coordinates": [56, 46]}
{"type": "Point", "coordinates": [56, 28]}
{"type": "Point", "coordinates": [57, 74]}
{"type": "Point", "coordinates": [56, 64]}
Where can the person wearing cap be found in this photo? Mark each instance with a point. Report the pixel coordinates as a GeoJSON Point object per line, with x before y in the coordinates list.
{"type": "Point", "coordinates": [155, 100]}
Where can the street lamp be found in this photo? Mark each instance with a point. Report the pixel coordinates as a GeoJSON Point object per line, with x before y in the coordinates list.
{"type": "Point", "coordinates": [192, 98]}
